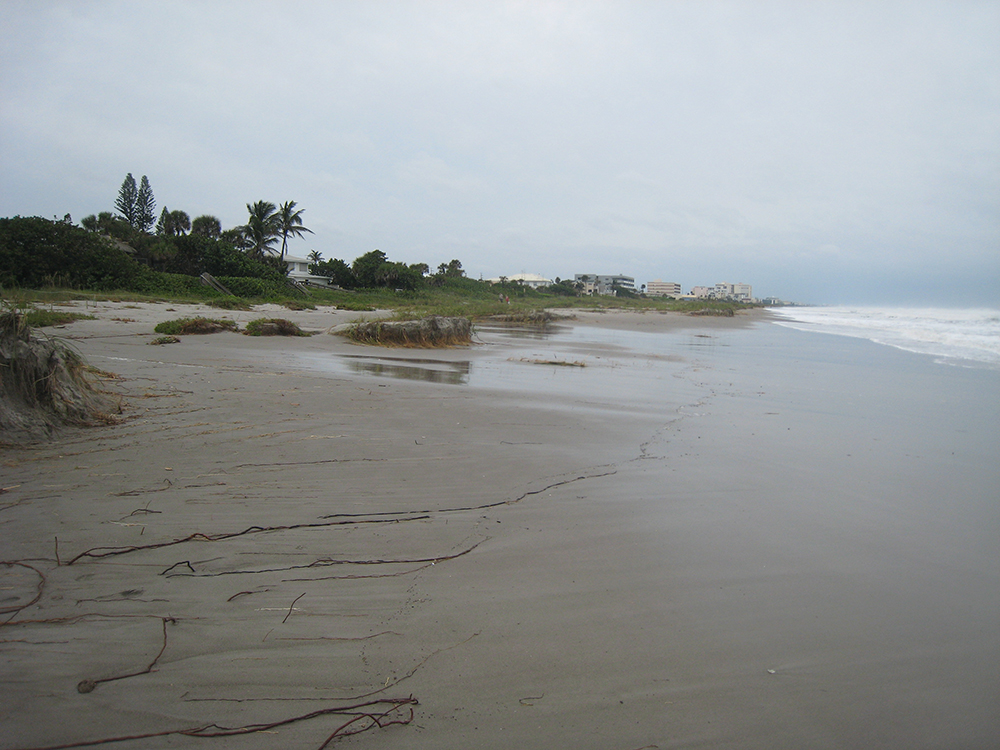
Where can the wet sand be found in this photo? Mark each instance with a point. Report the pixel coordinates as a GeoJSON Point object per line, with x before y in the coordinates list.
{"type": "Point", "coordinates": [716, 532]}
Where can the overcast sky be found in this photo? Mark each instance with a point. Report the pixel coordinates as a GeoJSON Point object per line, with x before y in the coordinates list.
{"type": "Point", "coordinates": [822, 152]}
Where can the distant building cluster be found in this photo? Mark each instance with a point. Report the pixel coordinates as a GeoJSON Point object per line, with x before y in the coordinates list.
{"type": "Point", "coordinates": [612, 284]}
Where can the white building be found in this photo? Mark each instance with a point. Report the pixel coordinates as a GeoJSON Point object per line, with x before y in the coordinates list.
{"type": "Point", "coordinates": [604, 283]}
{"type": "Point", "coordinates": [298, 270]}
{"type": "Point", "coordinates": [663, 288]}
{"type": "Point", "coordinates": [726, 290]}
{"type": "Point", "coordinates": [532, 280]}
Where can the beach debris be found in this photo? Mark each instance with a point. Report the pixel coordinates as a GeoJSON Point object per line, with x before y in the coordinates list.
{"type": "Point", "coordinates": [379, 713]}
{"type": "Point", "coordinates": [13, 579]}
{"type": "Point", "coordinates": [273, 327]}
{"type": "Point", "coordinates": [555, 362]}
{"type": "Point", "coordinates": [245, 593]}
{"type": "Point", "coordinates": [541, 318]}
{"type": "Point", "coordinates": [434, 331]}
{"type": "Point", "coordinates": [291, 607]}
{"type": "Point", "coordinates": [88, 686]}
{"type": "Point", "coordinates": [719, 312]}
{"type": "Point", "coordinates": [160, 340]}
{"type": "Point", "coordinates": [184, 326]}
{"type": "Point", "coordinates": [102, 552]}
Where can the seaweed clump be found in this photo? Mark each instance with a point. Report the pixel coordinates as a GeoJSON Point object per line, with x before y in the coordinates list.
{"type": "Point", "coordinates": [184, 326]}
{"type": "Point", "coordinates": [540, 318]}
{"type": "Point", "coordinates": [45, 385]}
{"type": "Point", "coordinates": [435, 331]}
{"type": "Point", "coordinates": [273, 327]}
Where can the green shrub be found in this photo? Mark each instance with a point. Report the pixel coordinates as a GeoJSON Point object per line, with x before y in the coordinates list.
{"type": "Point", "coordinates": [294, 304]}
{"type": "Point", "coordinates": [35, 252]}
{"type": "Point", "coordinates": [229, 303]}
{"type": "Point", "coordinates": [251, 288]}
{"type": "Point", "coordinates": [42, 318]}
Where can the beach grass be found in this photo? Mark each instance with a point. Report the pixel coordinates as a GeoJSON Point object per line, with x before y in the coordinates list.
{"type": "Point", "coordinates": [455, 298]}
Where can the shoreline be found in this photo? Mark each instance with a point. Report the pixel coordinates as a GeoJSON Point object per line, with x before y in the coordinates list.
{"type": "Point", "coordinates": [607, 556]}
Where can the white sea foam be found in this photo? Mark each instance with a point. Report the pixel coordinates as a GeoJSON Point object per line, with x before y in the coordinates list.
{"type": "Point", "coordinates": [952, 336]}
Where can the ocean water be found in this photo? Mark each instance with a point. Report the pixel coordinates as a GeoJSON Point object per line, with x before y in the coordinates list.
{"type": "Point", "coordinates": [964, 337]}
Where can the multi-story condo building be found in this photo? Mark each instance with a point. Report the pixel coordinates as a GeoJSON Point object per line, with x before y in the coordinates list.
{"type": "Point", "coordinates": [663, 289]}
{"type": "Point", "coordinates": [604, 283]}
{"type": "Point", "coordinates": [725, 290]}
{"type": "Point", "coordinates": [743, 292]}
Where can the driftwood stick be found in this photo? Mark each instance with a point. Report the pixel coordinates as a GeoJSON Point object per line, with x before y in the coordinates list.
{"type": "Point", "coordinates": [245, 593]}
{"type": "Point", "coordinates": [379, 721]}
{"type": "Point", "coordinates": [485, 506]}
{"type": "Point", "coordinates": [102, 552]}
{"type": "Point", "coordinates": [214, 730]}
{"type": "Point", "coordinates": [87, 686]}
{"type": "Point", "coordinates": [13, 610]}
{"type": "Point", "coordinates": [182, 562]}
{"type": "Point", "coordinates": [292, 606]}
{"type": "Point", "coordinates": [327, 562]}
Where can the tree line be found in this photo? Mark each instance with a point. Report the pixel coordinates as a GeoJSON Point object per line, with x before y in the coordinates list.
{"type": "Point", "coordinates": [36, 252]}
{"type": "Point", "coordinates": [136, 211]}
{"type": "Point", "coordinates": [264, 238]}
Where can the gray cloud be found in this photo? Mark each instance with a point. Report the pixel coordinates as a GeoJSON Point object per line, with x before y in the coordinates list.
{"type": "Point", "coordinates": [823, 151]}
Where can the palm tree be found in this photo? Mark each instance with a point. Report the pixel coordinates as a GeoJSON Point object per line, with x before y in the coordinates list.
{"type": "Point", "coordinates": [173, 223]}
{"type": "Point", "coordinates": [263, 229]}
{"type": "Point", "coordinates": [289, 224]}
{"type": "Point", "coordinates": [315, 256]}
{"type": "Point", "coordinates": [207, 226]}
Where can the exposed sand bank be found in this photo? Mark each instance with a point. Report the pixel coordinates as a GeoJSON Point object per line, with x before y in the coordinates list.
{"type": "Point", "coordinates": [291, 536]}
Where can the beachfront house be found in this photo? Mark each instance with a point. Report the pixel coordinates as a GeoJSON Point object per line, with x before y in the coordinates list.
{"type": "Point", "coordinates": [298, 270]}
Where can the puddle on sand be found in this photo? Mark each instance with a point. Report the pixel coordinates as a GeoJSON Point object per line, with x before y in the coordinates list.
{"type": "Point", "coordinates": [513, 331]}
{"type": "Point", "coordinates": [427, 370]}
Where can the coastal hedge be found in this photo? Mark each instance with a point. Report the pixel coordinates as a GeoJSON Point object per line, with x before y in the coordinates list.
{"type": "Point", "coordinates": [251, 288]}
{"type": "Point", "coordinates": [37, 252]}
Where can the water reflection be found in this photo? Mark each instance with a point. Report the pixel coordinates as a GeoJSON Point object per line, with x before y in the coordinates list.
{"type": "Point", "coordinates": [704, 341]}
{"type": "Point", "coordinates": [427, 370]}
{"type": "Point", "coordinates": [514, 331]}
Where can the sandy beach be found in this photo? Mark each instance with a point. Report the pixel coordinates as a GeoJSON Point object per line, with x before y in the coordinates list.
{"type": "Point", "coordinates": [639, 531]}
